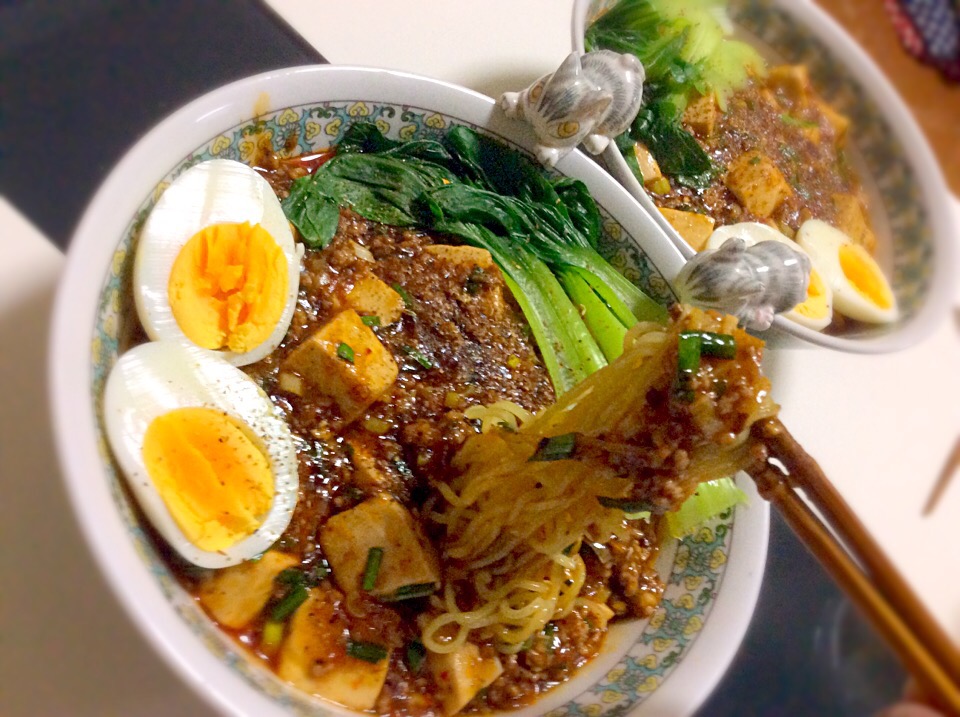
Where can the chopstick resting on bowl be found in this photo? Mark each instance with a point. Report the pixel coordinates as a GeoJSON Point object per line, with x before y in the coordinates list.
{"type": "Point", "coordinates": [852, 556]}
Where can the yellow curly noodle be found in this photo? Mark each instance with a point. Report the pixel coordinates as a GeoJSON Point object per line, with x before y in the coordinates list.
{"type": "Point", "coordinates": [502, 414]}
{"type": "Point", "coordinates": [514, 526]}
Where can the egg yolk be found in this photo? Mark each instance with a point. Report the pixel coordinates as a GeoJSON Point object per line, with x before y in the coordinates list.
{"type": "Point", "coordinates": [815, 305]}
{"type": "Point", "coordinates": [214, 480]}
{"type": "Point", "coordinates": [228, 287]}
{"type": "Point", "coordinates": [864, 275]}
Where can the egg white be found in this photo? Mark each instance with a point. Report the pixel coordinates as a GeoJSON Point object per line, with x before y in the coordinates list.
{"type": "Point", "coordinates": [160, 376]}
{"type": "Point", "coordinates": [822, 242]}
{"type": "Point", "coordinates": [755, 232]}
{"type": "Point", "coordinates": [212, 192]}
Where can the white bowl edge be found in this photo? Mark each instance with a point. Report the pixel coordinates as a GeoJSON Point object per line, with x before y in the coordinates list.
{"type": "Point", "coordinates": [946, 259]}
{"type": "Point", "coordinates": [94, 243]}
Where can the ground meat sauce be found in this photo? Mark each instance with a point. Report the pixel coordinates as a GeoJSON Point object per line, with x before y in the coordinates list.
{"type": "Point", "coordinates": [797, 134]}
{"type": "Point", "coordinates": [461, 341]}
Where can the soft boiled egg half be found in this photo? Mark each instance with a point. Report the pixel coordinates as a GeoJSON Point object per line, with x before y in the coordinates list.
{"type": "Point", "coordinates": [217, 264]}
{"type": "Point", "coordinates": [816, 311]}
{"type": "Point", "coordinates": [210, 460]}
{"type": "Point", "coordinates": [860, 289]}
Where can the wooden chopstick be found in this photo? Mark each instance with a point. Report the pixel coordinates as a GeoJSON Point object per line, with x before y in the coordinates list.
{"type": "Point", "coordinates": [949, 470]}
{"type": "Point", "coordinates": [858, 564]}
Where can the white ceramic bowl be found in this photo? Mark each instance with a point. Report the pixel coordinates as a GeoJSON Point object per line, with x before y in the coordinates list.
{"type": "Point", "coordinates": [910, 203]}
{"type": "Point", "coordinates": [666, 666]}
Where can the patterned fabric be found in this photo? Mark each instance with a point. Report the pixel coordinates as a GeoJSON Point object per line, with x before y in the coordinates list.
{"type": "Point", "coordinates": [930, 30]}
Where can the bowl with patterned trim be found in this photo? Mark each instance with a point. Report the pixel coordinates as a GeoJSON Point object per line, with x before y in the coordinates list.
{"type": "Point", "coordinates": [668, 662]}
{"type": "Point", "coordinates": [906, 196]}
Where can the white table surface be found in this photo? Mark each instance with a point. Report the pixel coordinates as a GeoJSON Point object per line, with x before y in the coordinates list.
{"type": "Point", "coordinates": [881, 426]}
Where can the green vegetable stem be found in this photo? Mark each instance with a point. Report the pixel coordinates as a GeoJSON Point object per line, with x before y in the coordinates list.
{"type": "Point", "coordinates": [542, 231]}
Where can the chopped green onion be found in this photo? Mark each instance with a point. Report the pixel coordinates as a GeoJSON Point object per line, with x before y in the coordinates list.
{"type": "Point", "coordinates": [474, 281]}
{"type": "Point", "coordinates": [372, 569]}
{"type": "Point", "coordinates": [717, 345]}
{"type": "Point", "coordinates": [555, 448]}
{"type": "Point", "coordinates": [416, 654]}
{"type": "Point", "coordinates": [625, 504]}
{"type": "Point", "coordinates": [417, 356]}
{"type": "Point", "coordinates": [272, 634]}
{"type": "Point", "coordinates": [366, 651]}
{"type": "Point", "coordinates": [377, 426]}
{"type": "Point", "coordinates": [290, 602]}
{"type": "Point", "coordinates": [372, 321]}
{"type": "Point", "coordinates": [689, 344]}
{"type": "Point", "coordinates": [408, 592]}
{"type": "Point", "coordinates": [797, 122]}
{"type": "Point", "coordinates": [405, 295]}
{"type": "Point", "coordinates": [290, 576]}
{"type": "Point", "coordinates": [345, 352]}
{"type": "Point", "coordinates": [318, 572]}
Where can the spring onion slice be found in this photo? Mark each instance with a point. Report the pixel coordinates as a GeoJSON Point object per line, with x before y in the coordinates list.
{"type": "Point", "coordinates": [555, 448]}
{"type": "Point", "coordinates": [345, 353]}
{"type": "Point", "coordinates": [372, 568]}
{"type": "Point", "coordinates": [366, 651]}
{"type": "Point", "coordinates": [416, 654]}
{"type": "Point", "coordinates": [290, 602]}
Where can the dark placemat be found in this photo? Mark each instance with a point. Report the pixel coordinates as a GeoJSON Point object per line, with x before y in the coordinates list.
{"type": "Point", "coordinates": [81, 81]}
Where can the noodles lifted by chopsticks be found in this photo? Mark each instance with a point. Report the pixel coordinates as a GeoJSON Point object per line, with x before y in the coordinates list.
{"type": "Point", "coordinates": [637, 435]}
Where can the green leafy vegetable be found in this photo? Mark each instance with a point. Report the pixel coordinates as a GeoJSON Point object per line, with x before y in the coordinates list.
{"type": "Point", "coordinates": [487, 195]}
{"type": "Point", "coordinates": [710, 500]}
{"type": "Point", "coordinates": [677, 152]}
{"type": "Point", "coordinates": [686, 52]}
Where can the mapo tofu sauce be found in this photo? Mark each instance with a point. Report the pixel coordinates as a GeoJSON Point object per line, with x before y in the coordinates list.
{"type": "Point", "coordinates": [783, 159]}
{"type": "Point", "coordinates": [458, 340]}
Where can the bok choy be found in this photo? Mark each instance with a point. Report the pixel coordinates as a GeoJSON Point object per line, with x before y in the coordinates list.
{"type": "Point", "coordinates": [542, 231]}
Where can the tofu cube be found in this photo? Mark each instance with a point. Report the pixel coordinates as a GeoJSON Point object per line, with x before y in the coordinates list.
{"type": "Point", "coordinates": [757, 183]}
{"type": "Point", "coordinates": [234, 596]}
{"type": "Point", "coordinates": [839, 122]}
{"type": "Point", "coordinates": [791, 83]}
{"type": "Point", "coordinates": [461, 674]}
{"type": "Point", "coordinates": [366, 473]}
{"type": "Point", "coordinates": [701, 115]}
{"type": "Point", "coordinates": [370, 296]}
{"type": "Point", "coordinates": [649, 169]}
{"type": "Point", "coordinates": [354, 382]}
{"type": "Point", "coordinates": [468, 255]}
{"type": "Point", "coordinates": [693, 227]}
{"type": "Point", "coordinates": [313, 658]}
{"type": "Point", "coordinates": [472, 259]}
{"type": "Point", "coordinates": [852, 220]}
{"type": "Point", "coordinates": [380, 522]}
